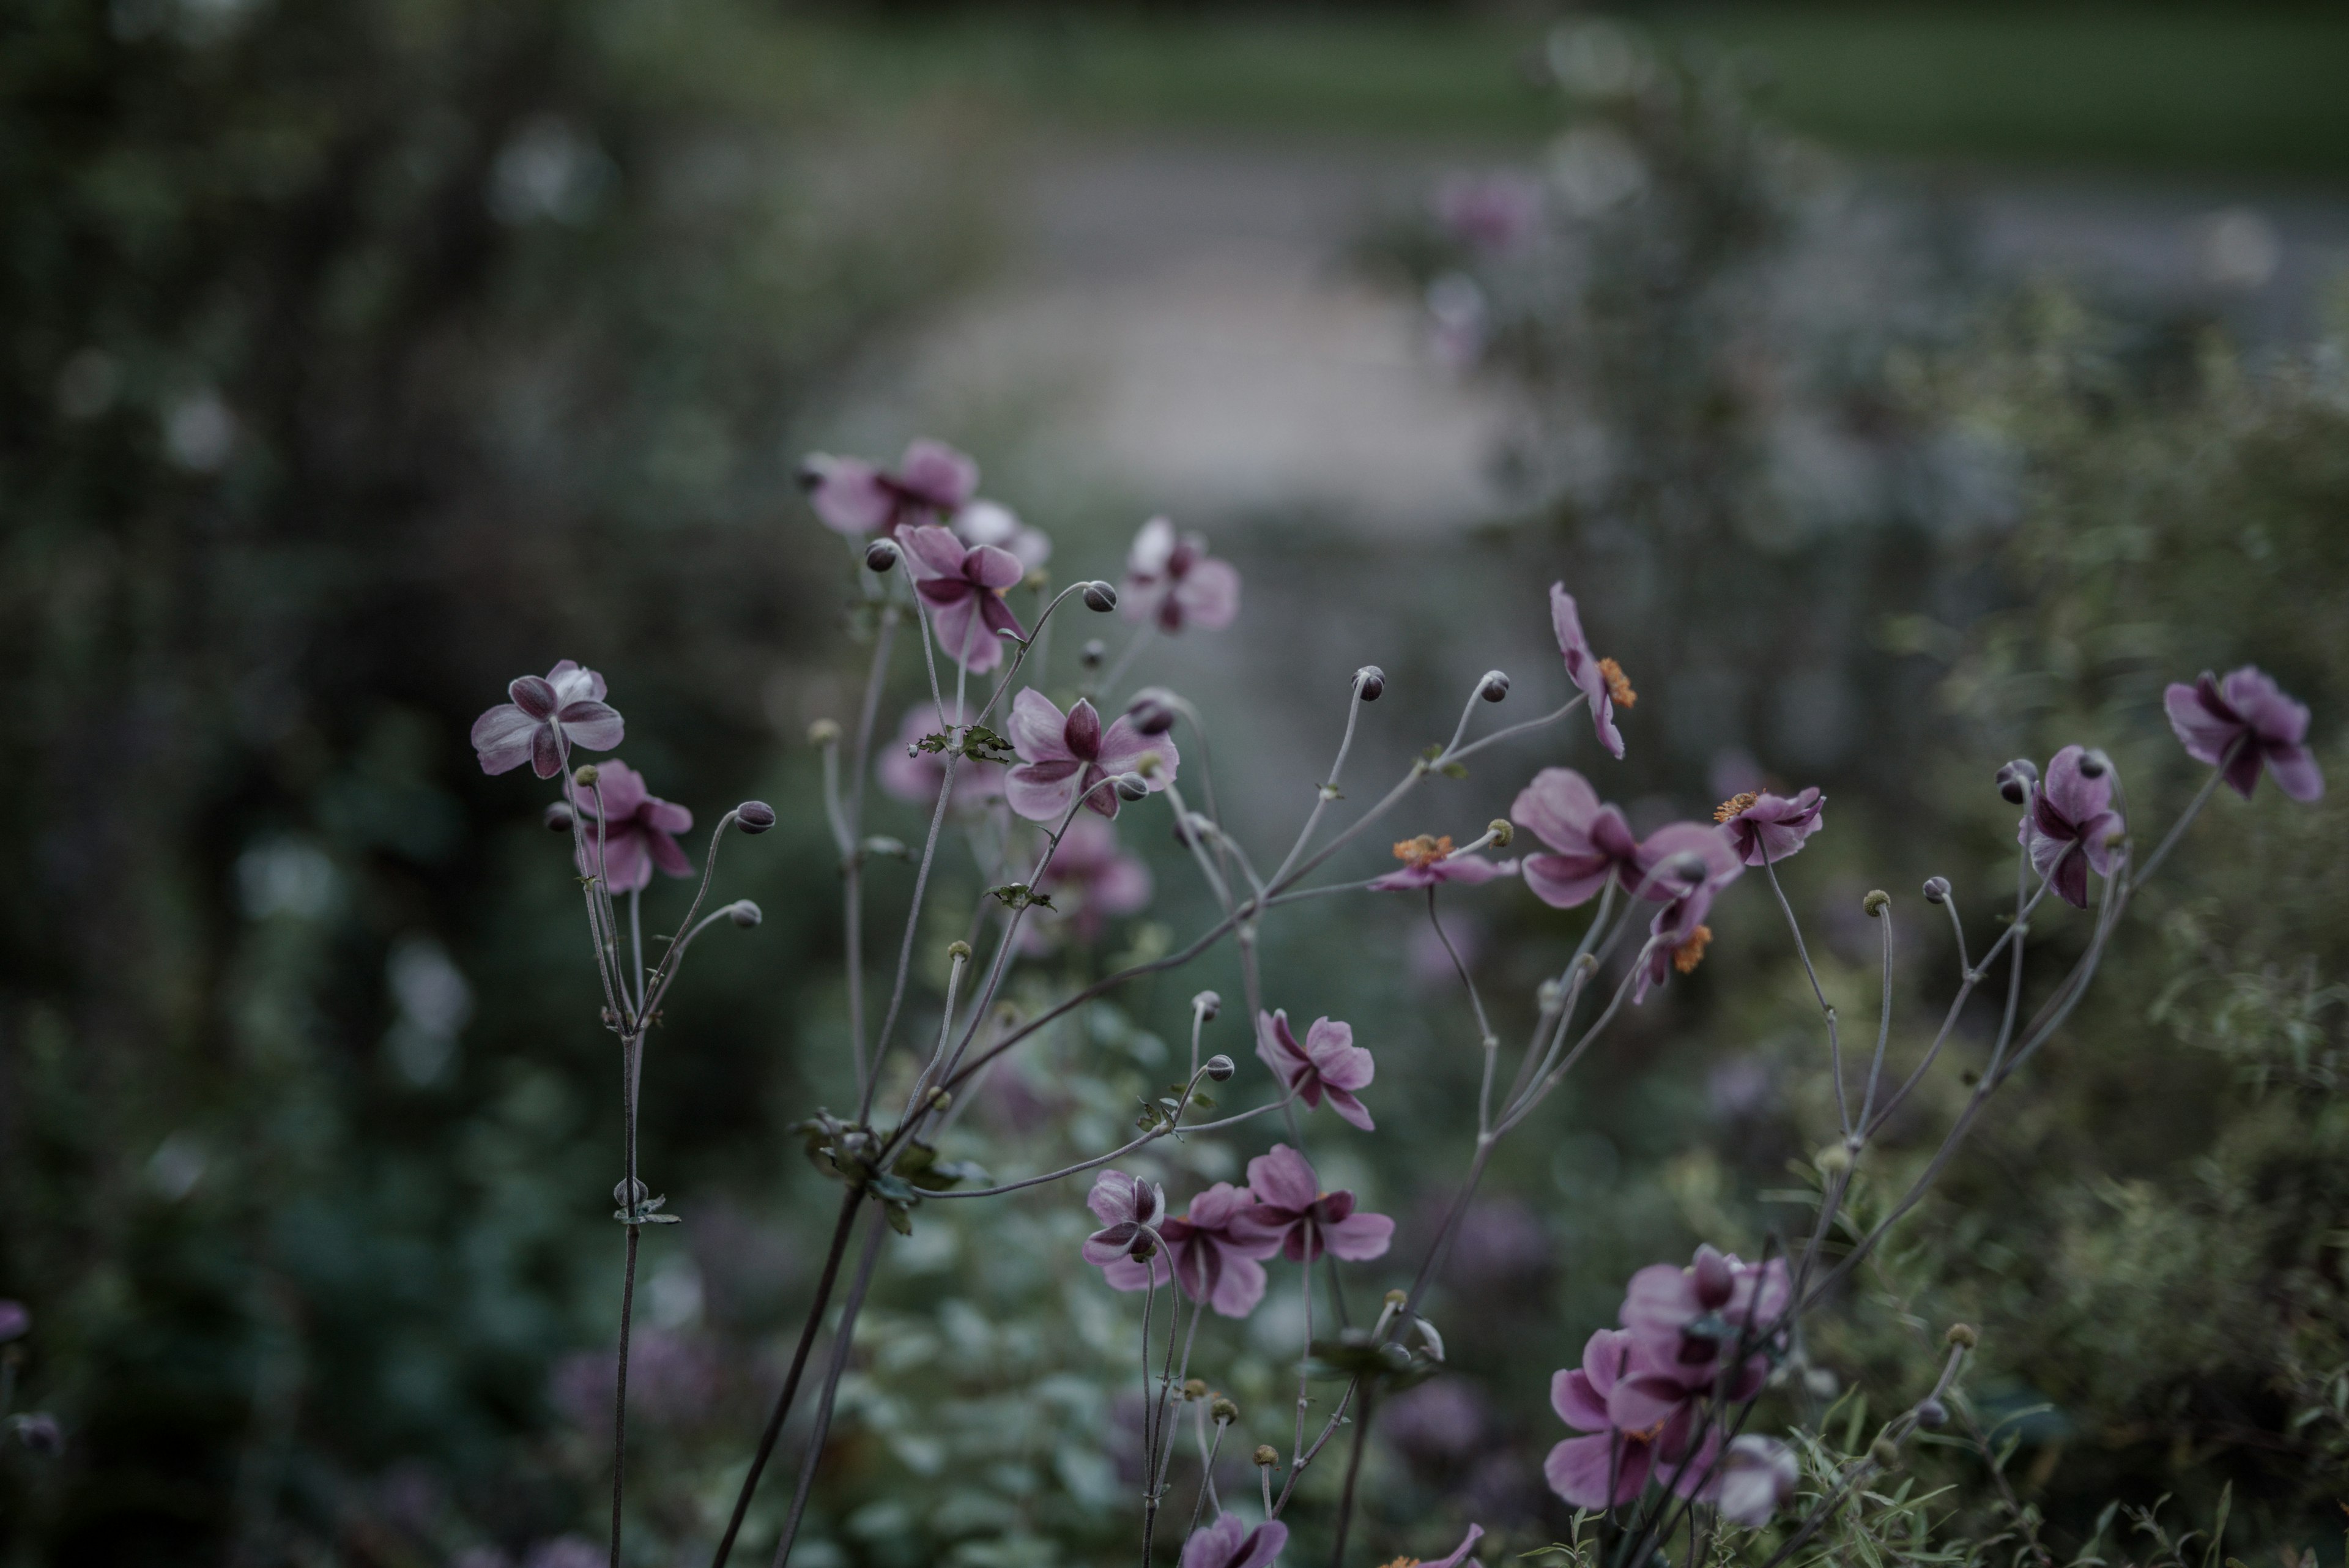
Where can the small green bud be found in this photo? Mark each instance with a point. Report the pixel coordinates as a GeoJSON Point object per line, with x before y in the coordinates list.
{"type": "Point", "coordinates": [1876, 902]}
{"type": "Point", "coordinates": [1267, 1455]}
{"type": "Point", "coordinates": [1885, 1454]}
{"type": "Point", "coordinates": [1222, 1411]}
{"type": "Point", "coordinates": [1501, 831]}
{"type": "Point", "coordinates": [1963, 1336]}
{"type": "Point", "coordinates": [585, 776]}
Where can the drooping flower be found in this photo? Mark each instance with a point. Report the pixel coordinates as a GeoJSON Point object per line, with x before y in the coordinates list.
{"type": "Point", "coordinates": [1291, 1210]}
{"type": "Point", "coordinates": [932, 482]}
{"type": "Point", "coordinates": [909, 774]}
{"type": "Point", "coordinates": [1174, 582]}
{"type": "Point", "coordinates": [963, 587]}
{"type": "Point", "coordinates": [1686, 864]}
{"type": "Point", "coordinates": [1757, 1476]}
{"type": "Point", "coordinates": [2071, 825]}
{"type": "Point", "coordinates": [1129, 1210]}
{"type": "Point", "coordinates": [1209, 1260]}
{"type": "Point", "coordinates": [1062, 755]}
{"type": "Point", "coordinates": [545, 718]}
{"type": "Point", "coordinates": [990, 522]}
{"type": "Point", "coordinates": [1452, 1559]}
{"type": "Point", "coordinates": [1766, 828]}
{"type": "Point", "coordinates": [637, 832]}
{"type": "Point", "coordinates": [1328, 1063]}
{"type": "Point", "coordinates": [1590, 842]}
{"type": "Point", "coordinates": [2247, 724]}
{"type": "Point", "coordinates": [1090, 879]}
{"type": "Point", "coordinates": [1428, 860]}
{"type": "Point", "coordinates": [1602, 680]}
{"type": "Point", "coordinates": [1607, 1467]}
{"type": "Point", "coordinates": [1228, 1544]}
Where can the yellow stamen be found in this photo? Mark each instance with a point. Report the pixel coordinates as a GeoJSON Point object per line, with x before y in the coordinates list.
{"type": "Point", "coordinates": [1417, 852]}
{"type": "Point", "coordinates": [1733, 806]}
{"type": "Point", "coordinates": [1691, 954]}
{"type": "Point", "coordinates": [1618, 685]}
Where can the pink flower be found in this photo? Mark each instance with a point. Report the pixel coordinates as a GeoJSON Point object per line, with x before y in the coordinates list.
{"type": "Point", "coordinates": [637, 831]}
{"type": "Point", "coordinates": [1757, 1476]}
{"type": "Point", "coordinates": [2072, 808]}
{"type": "Point", "coordinates": [963, 587]}
{"type": "Point", "coordinates": [2250, 716]}
{"type": "Point", "coordinates": [1063, 754]}
{"type": "Point", "coordinates": [1679, 1319]}
{"type": "Point", "coordinates": [1427, 860]}
{"type": "Point", "coordinates": [1590, 842]}
{"type": "Point", "coordinates": [910, 773]}
{"type": "Point", "coordinates": [1210, 1261]}
{"type": "Point", "coordinates": [1291, 1210]}
{"type": "Point", "coordinates": [1228, 1544]}
{"type": "Point", "coordinates": [1601, 679]}
{"type": "Point", "coordinates": [1129, 1210]}
{"type": "Point", "coordinates": [1685, 863]}
{"type": "Point", "coordinates": [1091, 879]}
{"type": "Point", "coordinates": [1609, 1467]}
{"type": "Point", "coordinates": [1329, 1063]}
{"type": "Point", "coordinates": [851, 496]}
{"type": "Point", "coordinates": [1766, 828]}
{"type": "Point", "coordinates": [544, 720]}
{"type": "Point", "coordinates": [1176, 582]}
{"type": "Point", "coordinates": [986, 523]}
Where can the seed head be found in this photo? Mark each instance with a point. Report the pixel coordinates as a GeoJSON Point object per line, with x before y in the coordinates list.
{"type": "Point", "coordinates": [1266, 1456]}
{"type": "Point", "coordinates": [1195, 1388]}
{"type": "Point", "coordinates": [1501, 832]}
{"type": "Point", "coordinates": [585, 776]}
{"type": "Point", "coordinates": [1963, 1336]}
{"type": "Point", "coordinates": [1885, 1453]}
{"type": "Point", "coordinates": [958, 948]}
{"type": "Point", "coordinates": [1876, 902]}
{"type": "Point", "coordinates": [1832, 1159]}
{"type": "Point", "coordinates": [1222, 1411]}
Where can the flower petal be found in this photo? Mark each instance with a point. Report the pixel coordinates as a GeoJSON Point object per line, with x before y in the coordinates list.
{"type": "Point", "coordinates": [1036, 727]}
{"type": "Point", "coordinates": [1281, 1177]}
{"type": "Point", "coordinates": [1358, 1236]}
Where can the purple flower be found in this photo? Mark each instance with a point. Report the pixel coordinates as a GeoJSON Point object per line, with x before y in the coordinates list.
{"type": "Point", "coordinates": [1062, 754]}
{"type": "Point", "coordinates": [15, 1322]}
{"type": "Point", "coordinates": [1129, 1210]}
{"type": "Point", "coordinates": [909, 774]}
{"type": "Point", "coordinates": [1090, 879]}
{"type": "Point", "coordinates": [1427, 860]}
{"type": "Point", "coordinates": [851, 496]}
{"type": "Point", "coordinates": [1591, 842]}
{"type": "Point", "coordinates": [1679, 1322]}
{"type": "Point", "coordinates": [986, 523]}
{"type": "Point", "coordinates": [1228, 1544]}
{"type": "Point", "coordinates": [1580, 1469]}
{"type": "Point", "coordinates": [1601, 679]}
{"type": "Point", "coordinates": [1766, 828]}
{"type": "Point", "coordinates": [1678, 935]}
{"type": "Point", "coordinates": [1210, 1261]}
{"type": "Point", "coordinates": [963, 586]}
{"type": "Point", "coordinates": [546, 717]}
{"type": "Point", "coordinates": [2246, 724]}
{"type": "Point", "coordinates": [1175, 582]}
{"type": "Point", "coordinates": [1291, 1208]}
{"type": "Point", "coordinates": [1329, 1063]}
{"type": "Point", "coordinates": [2071, 809]}
{"type": "Point", "coordinates": [1756, 1476]}
{"type": "Point", "coordinates": [638, 830]}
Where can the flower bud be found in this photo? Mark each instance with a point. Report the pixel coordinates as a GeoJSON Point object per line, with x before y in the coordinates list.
{"type": "Point", "coordinates": [958, 949]}
{"type": "Point", "coordinates": [1131, 786]}
{"type": "Point", "coordinates": [585, 776]}
{"type": "Point", "coordinates": [2016, 779]}
{"type": "Point", "coordinates": [1885, 1454]}
{"type": "Point", "coordinates": [881, 554]}
{"type": "Point", "coordinates": [1221, 1068]}
{"type": "Point", "coordinates": [743, 913]}
{"type": "Point", "coordinates": [628, 1193]}
{"type": "Point", "coordinates": [1195, 1388]}
{"type": "Point", "coordinates": [1222, 1411]}
{"type": "Point", "coordinates": [1936, 889]}
{"type": "Point", "coordinates": [1876, 902]}
{"type": "Point", "coordinates": [1206, 1005]}
{"type": "Point", "coordinates": [1963, 1336]}
{"type": "Point", "coordinates": [1093, 652]}
{"type": "Point", "coordinates": [1832, 1159]}
{"type": "Point", "coordinates": [1266, 1456]}
{"type": "Point", "coordinates": [824, 732]}
{"type": "Point", "coordinates": [2094, 763]}
{"type": "Point", "coordinates": [557, 818]}
{"type": "Point", "coordinates": [1099, 597]}
{"type": "Point", "coordinates": [1369, 682]}
{"type": "Point", "coordinates": [1932, 1415]}
{"type": "Point", "coordinates": [1152, 711]}
{"type": "Point", "coordinates": [754, 817]}
{"type": "Point", "coordinates": [1501, 832]}
{"type": "Point", "coordinates": [1494, 687]}
{"type": "Point", "coordinates": [39, 1432]}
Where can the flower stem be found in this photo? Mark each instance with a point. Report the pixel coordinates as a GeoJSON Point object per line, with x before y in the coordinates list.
{"type": "Point", "coordinates": [620, 1392]}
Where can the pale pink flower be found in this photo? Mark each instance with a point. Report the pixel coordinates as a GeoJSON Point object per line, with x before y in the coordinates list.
{"type": "Point", "coordinates": [1601, 681]}
{"type": "Point", "coordinates": [637, 833]}
{"type": "Point", "coordinates": [963, 587]}
{"type": "Point", "coordinates": [1328, 1063]}
{"type": "Point", "coordinates": [1291, 1208]}
{"type": "Point", "coordinates": [1174, 582]}
{"type": "Point", "coordinates": [2246, 723]}
{"type": "Point", "coordinates": [932, 482]}
{"type": "Point", "coordinates": [545, 718]}
{"type": "Point", "coordinates": [1228, 1544]}
{"type": "Point", "coordinates": [1062, 755]}
{"type": "Point", "coordinates": [1207, 1258]}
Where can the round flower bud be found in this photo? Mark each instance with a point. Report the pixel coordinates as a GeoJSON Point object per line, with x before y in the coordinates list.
{"type": "Point", "coordinates": [1932, 1415]}
{"type": "Point", "coordinates": [754, 817]}
{"type": "Point", "coordinates": [1206, 1005]}
{"type": "Point", "coordinates": [1963, 1336]}
{"type": "Point", "coordinates": [1195, 1388]}
{"type": "Point", "coordinates": [2094, 763]}
{"type": "Point", "coordinates": [958, 949]}
{"type": "Point", "coordinates": [1494, 687]}
{"type": "Point", "coordinates": [1885, 1453]}
{"type": "Point", "coordinates": [1152, 712]}
{"type": "Point", "coordinates": [881, 554]}
{"type": "Point", "coordinates": [1936, 889]}
{"type": "Point", "coordinates": [1222, 1411]}
{"type": "Point", "coordinates": [1131, 786]}
{"type": "Point", "coordinates": [1266, 1456]}
{"type": "Point", "coordinates": [1877, 901]}
{"type": "Point", "coordinates": [1093, 652]}
{"type": "Point", "coordinates": [1833, 1158]}
{"type": "Point", "coordinates": [1501, 832]}
{"type": "Point", "coordinates": [39, 1432]}
{"type": "Point", "coordinates": [557, 818]}
{"type": "Point", "coordinates": [2016, 778]}
{"type": "Point", "coordinates": [1369, 682]}
{"type": "Point", "coordinates": [628, 1194]}
{"type": "Point", "coordinates": [585, 776]}
{"type": "Point", "coordinates": [743, 913]}
{"type": "Point", "coordinates": [1221, 1068]}
{"type": "Point", "coordinates": [1099, 597]}
{"type": "Point", "coordinates": [824, 732]}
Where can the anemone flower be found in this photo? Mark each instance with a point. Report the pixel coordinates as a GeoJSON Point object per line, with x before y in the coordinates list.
{"type": "Point", "coordinates": [963, 587]}
{"type": "Point", "coordinates": [1328, 1063]}
{"type": "Point", "coordinates": [1766, 828]}
{"type": "Point", "coordinates": [1664, 1306]}
{"type": "Point", "coordinates": [1601, 681]}
{"type": "Point", "coordinates": [1174, 581]}
{"type": "Point", "coordinates": [1228, 1544]}
{"type": "Point", "coordinates": [1207, 1259]}
{"type": "Point", "coordinates": [1129, 1210]}
{"type": "Point", "coordinates": [1589, 842]}
{"type": "Point", "coordinates": [1757, 1476]}
{"type": "Point", "coordinates": [1606, 1468]}
{"type": "Point", "coordinates": [1686, 864]}
{"type": "Point", "coordinates": [2247, 724]}
{"type": "Point", "coordinates": [1291, 1210]}
{"type": "Point", "coordinates": [2071, 825]}
{"type": "Point", "coordinates": [545, 718]}
{"type": "Point", "coordinates": [638, 829]}
{"type": "Point", "coordinates": [1064, 754]}
{"type": "Point", "coordinates": [933, 481]}
{"type": "Point", "coordinates": [1428, 860]}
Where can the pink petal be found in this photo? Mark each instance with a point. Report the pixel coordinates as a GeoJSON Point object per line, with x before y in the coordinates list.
{"type": "Point", "coordinates": [2296, 773]}
{"type": "Point", "coordinates": [1210, 593]}
{"type": "Point", "coordinates": [1036, 728]}
{"type": "Point", "coordinates": [945, 477]}
{"type": "Point", "coordinates": [991, 567]}
{"type": "Point", "coordinates": [503, 737]}
{"type": "Point", "coordinates": [1122, 748]}
{"type": "Point", "coordinates": [1125, 1274]}
{"type": "Point", "coordinates": [848, 495]}
{"type": "Point", "coordinates": [1111, 1198]}
{"type": "Point", "coordinates": [1082, 735]}
{"type": "Point", "coordinates": [666, 855]}
{"type": "Point", "coordinates": [546, 754]}
{"type": "Point", "coordinates": [1042, 792]}
{"type": "Point", "coordinates": [1577, 1404]}
{"type": "Point", "coordinates": [1150, 547]}
{"type": "Point", "coordinates": [932, 551]}
{"type": "Point", "coordinates": [1348, 1109]}
{"type": "Point", "coordinates": [595, 725]}
{"type": "Point", "coordinates": [1645, 1400]}
{"type": "Point", "coordinates": [1281, 1177]}
{"type": "Point", "coordinates": [1240, 1286]}
{"type": "Point", "coordinates": [1358, 1236]}
{"type": "Point", "coordinates": [534, 696]}
{"type": "Point", "coordinates": [1558, 806]}
{"type": "Point", "coordinates": [1578, 1470]}
{"type": "Point", "coordinates": [1603, 1356]}
{"type": "Point", "coordinates": [1565, 881]}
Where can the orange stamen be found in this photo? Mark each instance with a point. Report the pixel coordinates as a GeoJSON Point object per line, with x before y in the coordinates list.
{"type": "Point", "coordinates": [1691, 954]}
{"type": "Point", "coordinates": [1416, 852]}
{"type": "Point", "coordinates": [1733, 806]}
{"type": "Point", "coordinates": [1618, 685]}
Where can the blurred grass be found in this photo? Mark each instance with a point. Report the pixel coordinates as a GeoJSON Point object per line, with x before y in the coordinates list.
{"type": "Point", "coordinates": [2238, 89]}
